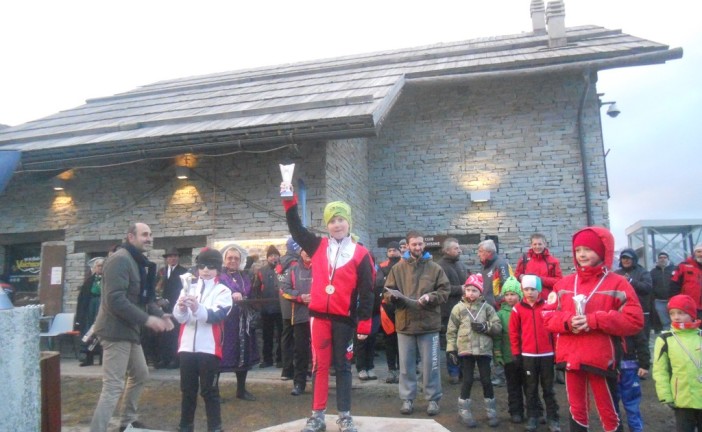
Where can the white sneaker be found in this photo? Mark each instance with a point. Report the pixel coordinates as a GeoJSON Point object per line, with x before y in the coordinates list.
{"type": "Point", "coordinates": [371, 374]}
{"type": "Point", "coordinates": [363, 375]}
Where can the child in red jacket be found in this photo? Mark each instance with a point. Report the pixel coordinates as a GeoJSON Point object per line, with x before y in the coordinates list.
{"type": "Point", "coordinates": [595, 308]}
{"type": "Point", "coordinates": [532, 346]}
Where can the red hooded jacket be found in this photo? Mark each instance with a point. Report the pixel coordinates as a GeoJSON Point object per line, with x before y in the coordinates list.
{"type": "Point", "coordinates": [543, 265]}
{"type": "Point", "coordinates": [612, 311]}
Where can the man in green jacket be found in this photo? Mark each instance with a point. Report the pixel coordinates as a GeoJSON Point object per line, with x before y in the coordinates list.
{"type": "Point", "coordinates": [127, 304]}
{"type": "Point", "coordinates": [418, 286]}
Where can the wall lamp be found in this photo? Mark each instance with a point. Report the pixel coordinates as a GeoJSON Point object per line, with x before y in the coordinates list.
{"type": "Point", "coordinates": [480, 196]}
{"type": "Point", "coordinates": [613, 110]}
{"type": "Point", "coordinates": [58, 184]}
{"type": "Point", "coordinates": [182, 172]}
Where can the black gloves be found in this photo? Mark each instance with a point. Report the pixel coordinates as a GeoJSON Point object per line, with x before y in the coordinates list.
{"type": "Point", "coordinates": [452, 358]}
{"type": "Point", "coordinates": [480, 327]}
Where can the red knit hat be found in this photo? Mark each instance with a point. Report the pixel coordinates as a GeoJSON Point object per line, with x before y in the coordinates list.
{"type": "Point", "coordinates": [590, 239]}
{"type": "Point", "coordinates": [685, 303]}
{"type": "Point", "coordinates": [475, 280]}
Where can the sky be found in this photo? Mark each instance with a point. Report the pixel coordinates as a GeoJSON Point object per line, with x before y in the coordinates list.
{"type": "Point", "coordinates": [55, 55]}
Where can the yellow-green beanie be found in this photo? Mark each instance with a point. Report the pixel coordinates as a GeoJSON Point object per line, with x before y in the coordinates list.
{"type": "Point", "coordinates": [512, 285]}
{"type": "Point", "coordinates": [337, 208]}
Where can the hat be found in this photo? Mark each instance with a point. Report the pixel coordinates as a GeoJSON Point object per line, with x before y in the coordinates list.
{"type": "Point", "coordinates": [590, 239]}
{"type": "Point", "coordinates": [171, 251]}
{"type": "Point", "coordinates": [290, 245]}
{"type": "Point", "coordinates": [685, 303]}
{"type": "Point", "coordinates": [393, 245]}
{"type": "Point", "coordinates": [337, 208]}
{"type": "Point", "coordinates": [627, 253]}
{"type": "Point", "coordinates": [512, 285]}
{"type": "Point", "coordinates": [210, 257]}
{"type": "Point", "coordinates": [665, 254]}
{"type": "Point", "coordinates": [475, 280]}
{"type": "Point", "coordinates": [697, 247]}
{"type": "Point", "coordinates": [272, 250]}
{"type": "Point", "coordinates": [531, 281]}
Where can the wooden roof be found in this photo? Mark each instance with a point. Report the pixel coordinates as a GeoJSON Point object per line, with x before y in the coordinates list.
{"type": "Point", "coordinates": [333, 98]}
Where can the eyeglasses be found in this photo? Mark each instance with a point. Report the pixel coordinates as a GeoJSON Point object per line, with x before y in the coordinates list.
{"type": "Point", "coordinates": [209, 267]}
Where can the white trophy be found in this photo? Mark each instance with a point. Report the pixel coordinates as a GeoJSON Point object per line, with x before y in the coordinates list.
{"type": "Point", "coordinates": [286, 186]}
{"type": "Point", "coordinates": [189, 283]}
{"type": "Point", "coordinates": [580, 301]}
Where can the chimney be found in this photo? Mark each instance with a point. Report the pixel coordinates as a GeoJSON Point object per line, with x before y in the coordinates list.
{"type": "Point", "coordinates": [555, 22]}
{"type": "Point", "coordinates": [538, 16]}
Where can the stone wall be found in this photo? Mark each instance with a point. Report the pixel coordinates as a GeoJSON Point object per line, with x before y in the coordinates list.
{"type": "Point", "coordinates": [518, 139]}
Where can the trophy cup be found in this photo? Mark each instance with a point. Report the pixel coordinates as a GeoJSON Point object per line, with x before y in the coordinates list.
{"type": "Point", "coordinates": [580, 301]}
{"type": "Point", "coordinates": [189, 283]}
{"type": "Point", "coordinates": [286, 187]}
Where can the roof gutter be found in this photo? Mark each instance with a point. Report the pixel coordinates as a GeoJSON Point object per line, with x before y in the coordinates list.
{"type": "Point", "coordinates": [655, 57]}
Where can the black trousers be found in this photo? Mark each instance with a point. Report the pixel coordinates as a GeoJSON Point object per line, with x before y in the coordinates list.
{"type": "Point", "coordinates": [686, 419]}
{"type": "Point", "coordinates": [515, 388]}
{"type": "Point", "coordinates": [199, 370]}
{"type": "Point", "coordinates": [287, 342]}
{"type": "Point", "coordinates": [364, 351]}
{"type": "Point", "coordinates": [392, 354]}
{"type": "Point", "coordinates": [540, 371]}
{"type": "Point", "coordinates": [302, 354]}
{"type": "Point", "coordinates": [272, 328]}
{"type": "Point", "coordinates": [468, 364]}
{"type": "Point", "coordinates": [167, 343]}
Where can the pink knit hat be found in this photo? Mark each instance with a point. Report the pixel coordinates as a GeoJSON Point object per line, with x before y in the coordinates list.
{"type": "Point", "coordinates": [475, 280]}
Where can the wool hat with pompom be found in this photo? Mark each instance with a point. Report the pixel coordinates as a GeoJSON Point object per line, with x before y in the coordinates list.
{"type": "Point", "coordinates": [512, 285]}
{"type": "Point", "coordinates": [685, 303]}
{"type": "Point", "coordinates": [475, 280]}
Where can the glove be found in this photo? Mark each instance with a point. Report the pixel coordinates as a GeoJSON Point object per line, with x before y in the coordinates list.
{"type": "Point", "coordinates": [452, 358]}
{"type": "Point", "coordinates": [479, 327]}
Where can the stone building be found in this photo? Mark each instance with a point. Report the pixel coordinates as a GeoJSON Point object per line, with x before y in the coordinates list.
{"type": "Point", "coordinates": [406, 136]}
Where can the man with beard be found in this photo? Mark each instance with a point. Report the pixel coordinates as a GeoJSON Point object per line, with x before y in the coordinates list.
{"type": "Point", "coordinates": [418, 286]}
{"type": "Point", "coordinates": [687, 279]}
{"type": "Point", "coordinates": [457, 274]}
{"type": "Point", "coordinates": [127, 304]}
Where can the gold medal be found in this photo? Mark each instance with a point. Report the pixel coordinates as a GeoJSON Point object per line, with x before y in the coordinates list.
{"type": "Point", "coordinates": [330, 289]}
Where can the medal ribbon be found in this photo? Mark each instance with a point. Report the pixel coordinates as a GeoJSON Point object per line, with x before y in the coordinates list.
{"type": "Point", "coordinates": [698, 365]}
{"type": "Point", "coordinates": [332, 270]}
{"type": "Point", "coordinates": [575, 288]}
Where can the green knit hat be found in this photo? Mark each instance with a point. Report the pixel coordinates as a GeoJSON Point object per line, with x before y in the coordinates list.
{"type": "Point", "coordinates": [512, 285]}
{"type": "Point", "coordinates": [337, 208]}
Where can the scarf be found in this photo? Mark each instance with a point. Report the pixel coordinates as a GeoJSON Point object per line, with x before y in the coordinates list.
{"type": "Point", "coordinates": [147, 275]}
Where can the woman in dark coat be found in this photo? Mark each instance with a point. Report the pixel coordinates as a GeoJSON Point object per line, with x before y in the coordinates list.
{"type": "Point", "coordinates": [87, 308]}
{"type": "Point", "coordinates": [240, 351]}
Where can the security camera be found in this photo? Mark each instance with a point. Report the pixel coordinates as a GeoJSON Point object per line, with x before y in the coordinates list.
{"type": "Point", "coordinates": [613, 110]}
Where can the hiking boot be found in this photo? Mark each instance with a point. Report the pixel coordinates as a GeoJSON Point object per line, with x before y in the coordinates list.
{"type": "Point", "coordinates": [554, 426]}
{"type": "Point", "coordinates": [491, 410]}
{"type": "Point", "coordinates": [532, 424]}
{"type": "Point", "coordinates": [465, 414]}
{"type": "Point", "coordinates": [345, 423]}
{"type": "Point", "coordinates": [297, 390]}
{"type": "Point", "coordinates": [245, 395]}
{"type": "Point", "coordinates": [371, 374]}
{"type": "Point", "coordinates": [433, 408]}
{"type": "Point", "coordinates": [393, 377]}
{"type": "Point", "coordinates": [363, 375]}
{"type": "Point", "coordinates": [315, 423]}
{"type": "Point", "coordinates": [407, 407]}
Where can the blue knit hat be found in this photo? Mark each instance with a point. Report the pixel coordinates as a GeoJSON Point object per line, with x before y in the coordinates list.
{"type": "Point", "coordinates": [292, 246]}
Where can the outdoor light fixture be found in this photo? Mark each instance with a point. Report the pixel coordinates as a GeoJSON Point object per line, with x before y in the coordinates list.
{"type": "Point", "coordinates": [182, 172]}
{"type": "Point", "coordinates": [58, 184]}
{"type": "Point", "coordinates": [613, 110]}
{"type": "Point", "coordinates": [480, 196]}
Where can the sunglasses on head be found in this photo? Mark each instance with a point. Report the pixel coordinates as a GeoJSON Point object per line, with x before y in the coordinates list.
{"type": "Point", "coordinates": [209, 267]}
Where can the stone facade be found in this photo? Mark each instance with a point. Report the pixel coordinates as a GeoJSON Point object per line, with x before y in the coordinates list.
{"type": "Point", "coordinates": [519, 139]}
